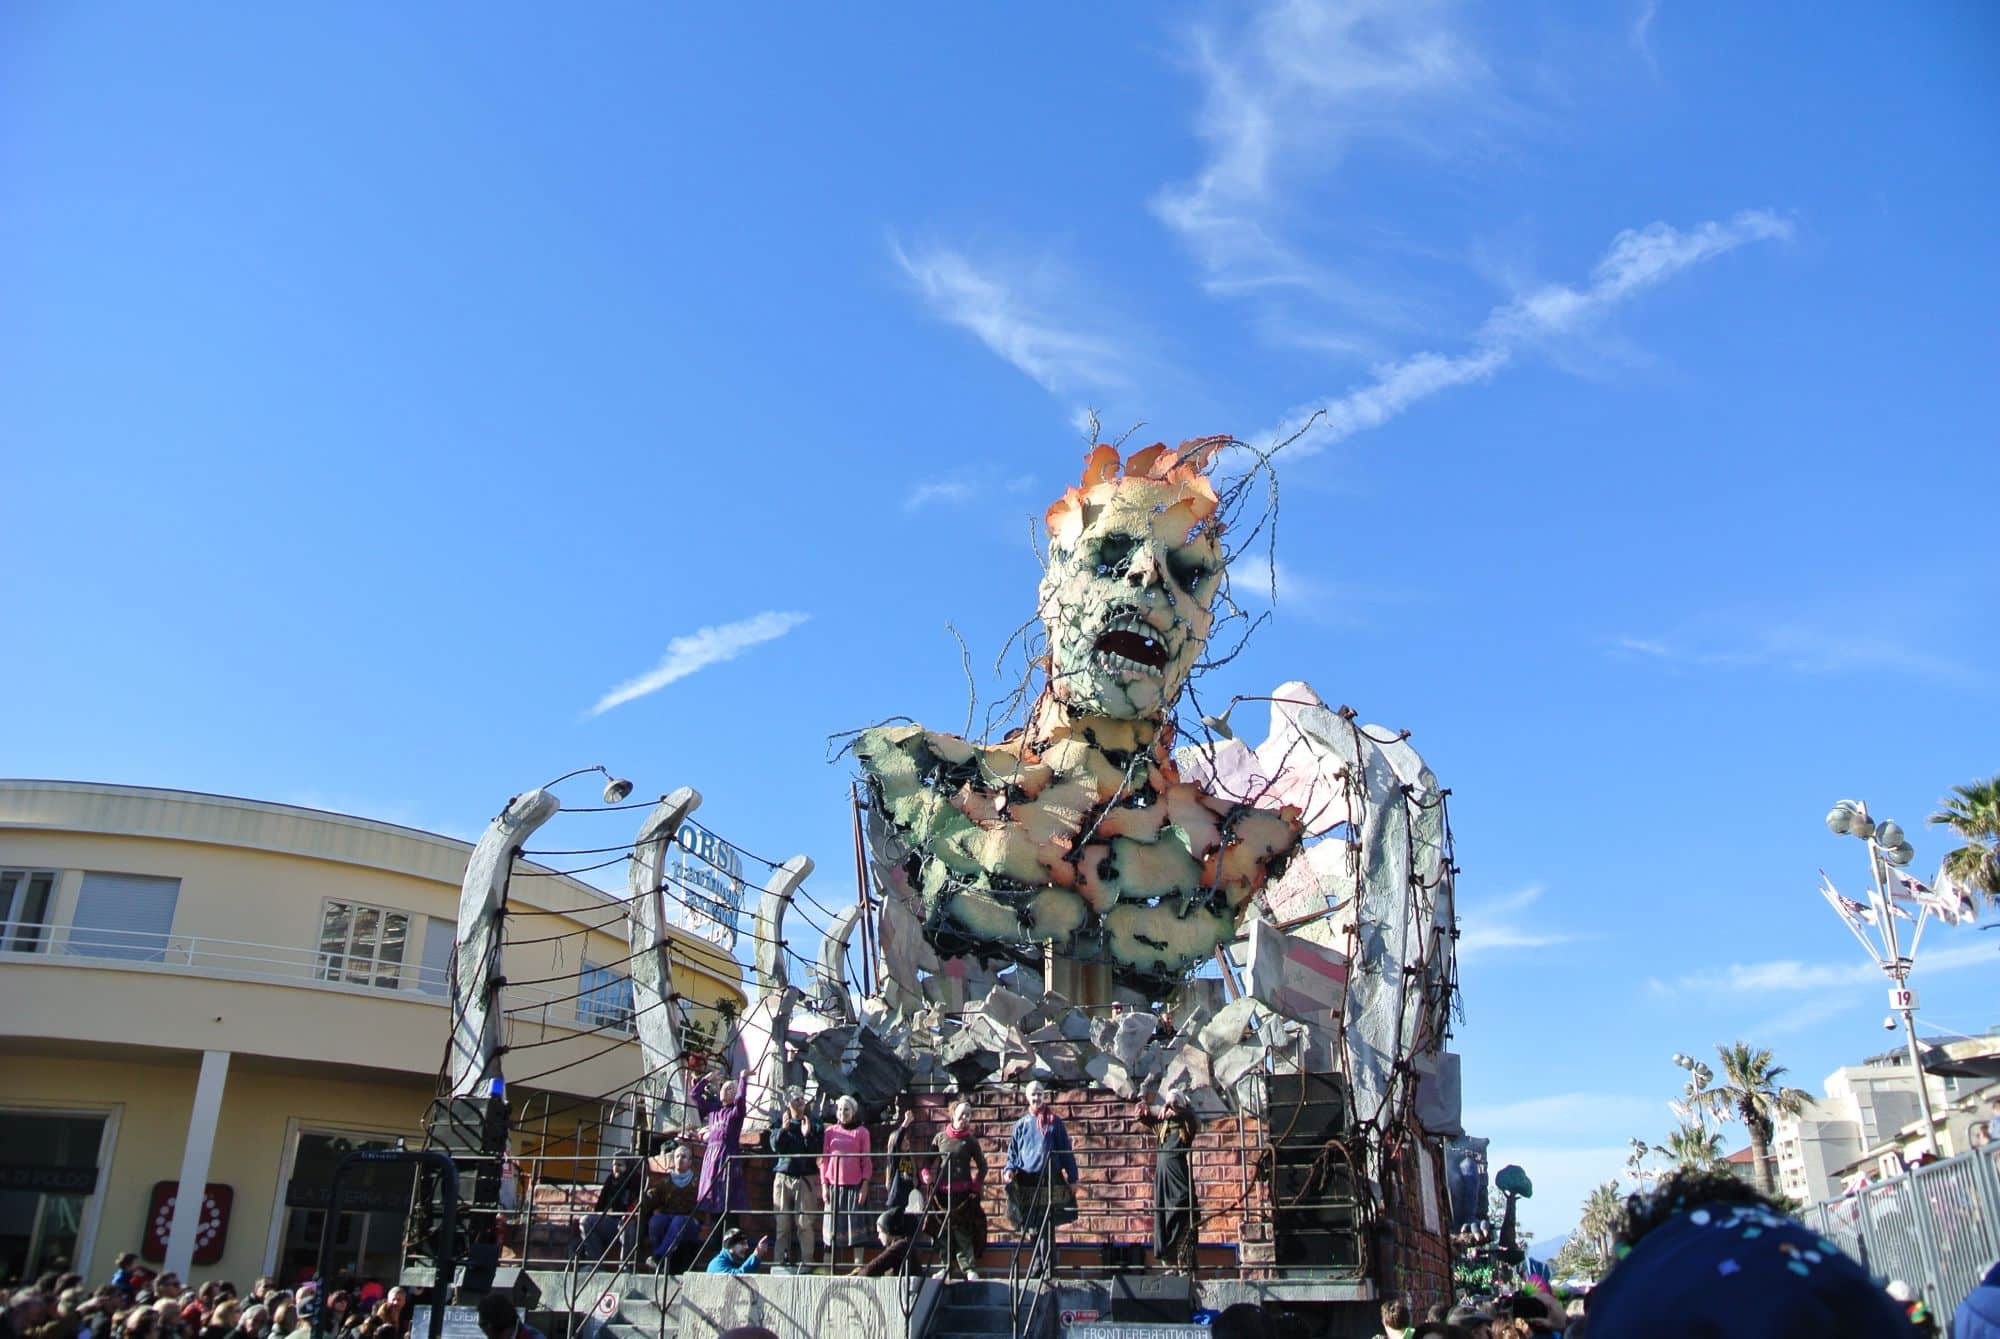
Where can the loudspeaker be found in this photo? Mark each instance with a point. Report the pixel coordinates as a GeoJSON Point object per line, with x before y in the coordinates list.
{"type": "Point", "coordinates": [483, 1273]}
{"type": "Point", "coordinates": [1305, 1109]}
{"type": "Point", "coordinates": [1151, 1299]}
{"type": "Point", "coordinates": [1316, 1249]}
{"type": "Point", "coordinates": [1312, 1195]}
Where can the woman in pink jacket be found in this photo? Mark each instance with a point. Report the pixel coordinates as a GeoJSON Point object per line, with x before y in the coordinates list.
{"type": "Point", "coordinates": [844, 1163]}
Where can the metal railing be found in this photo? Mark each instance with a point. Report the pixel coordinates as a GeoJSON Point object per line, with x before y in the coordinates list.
{"type": "Point", "coordinates": [1937, 1228]}
{"type": "Point", "coordinates": [274, 964]}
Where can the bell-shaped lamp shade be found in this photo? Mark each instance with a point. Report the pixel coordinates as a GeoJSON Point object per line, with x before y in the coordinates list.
{"type": "Point", "coordinates": [1864, 826]}
{"type": "Point", "coordinates": [1840, 818]}
{"type": "Point", "coordinates": [616, 789]}
{"type": "Point", "coordinates": [1902, 853]}
{"type": "Point", "coordinates": [1889, 832]}
{"type": "Point", "coordinates": [1219, 725]}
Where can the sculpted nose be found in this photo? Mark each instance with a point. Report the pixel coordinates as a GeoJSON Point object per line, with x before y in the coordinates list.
{"type": "Point", "coordinates": [1146, 569]}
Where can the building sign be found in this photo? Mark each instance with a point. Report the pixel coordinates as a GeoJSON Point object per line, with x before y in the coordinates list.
{"type": "Point", "coordinates": [48, 1180]}
{"type": "Point", "coordinates": [211, 1232]}
{"type": "Point", "coordinates": [706, 885]}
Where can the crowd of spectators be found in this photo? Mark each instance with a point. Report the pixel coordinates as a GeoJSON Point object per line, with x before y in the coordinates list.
{"type": "Point", "coordinates": [137, 1303]}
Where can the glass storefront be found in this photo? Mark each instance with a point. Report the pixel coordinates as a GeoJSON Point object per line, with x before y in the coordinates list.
{"type": "Point", "coordinates": [48, 1177]}
{"type": "Point", "coordinates": [368, 1230]}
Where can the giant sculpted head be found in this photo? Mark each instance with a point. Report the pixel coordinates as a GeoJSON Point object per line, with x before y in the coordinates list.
{"type": "Point", "coordinates": [1077, 831]}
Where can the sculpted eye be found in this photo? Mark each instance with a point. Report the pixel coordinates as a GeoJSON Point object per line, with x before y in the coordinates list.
{"type": "Point", "coordinates": [1114, 555]}
{"type": "Point", "coordinates": [1188, 570]}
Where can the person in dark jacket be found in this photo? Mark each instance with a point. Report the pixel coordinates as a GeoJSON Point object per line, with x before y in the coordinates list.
{"type": "Point", "coordinates": [795, 1181]}
{"type": "Point", "coordinates": [897, 1232]}
{"type": "Point", "coordinates": [1176, 1212]}
{"type": "Point", "coordinates": [617, 1202]}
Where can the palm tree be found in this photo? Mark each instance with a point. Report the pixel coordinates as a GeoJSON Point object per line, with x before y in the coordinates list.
{"type": "Point", "coordinates": [1754, 1096]}
{"type": "Point", "coordinates": [1973, 812]}
{"type": "Point", "coordinates": [1599, 1219]}
{"type": "Point", "coordinates": [1693, 1147]}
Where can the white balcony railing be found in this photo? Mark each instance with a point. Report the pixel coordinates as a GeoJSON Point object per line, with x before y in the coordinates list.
{"type": "Point", "coordinates": [278, 964]}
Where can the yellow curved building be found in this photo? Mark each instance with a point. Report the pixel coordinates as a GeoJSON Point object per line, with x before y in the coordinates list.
{"type": "Point", "coordinates": [193, 982]}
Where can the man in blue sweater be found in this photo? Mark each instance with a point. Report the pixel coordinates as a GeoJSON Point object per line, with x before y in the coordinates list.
{"type": "Point", "coordinates": [1041, 1177]}
{"type": "Point", "coordinates": [737, 1255]}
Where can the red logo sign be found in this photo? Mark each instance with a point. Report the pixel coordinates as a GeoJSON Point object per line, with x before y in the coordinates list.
{"type": "Point", "coordinates": [211, 1232]}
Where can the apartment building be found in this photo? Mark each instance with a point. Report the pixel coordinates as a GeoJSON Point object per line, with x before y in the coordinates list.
{"type": "Point", "coordinates": [193, 980]}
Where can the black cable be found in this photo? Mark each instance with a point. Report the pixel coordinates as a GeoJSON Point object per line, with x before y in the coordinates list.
{"type": "Point", "coordinates": [562, 873]}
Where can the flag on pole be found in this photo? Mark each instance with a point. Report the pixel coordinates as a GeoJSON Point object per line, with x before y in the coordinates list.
{"type": "Point", "coordinates": [1951, 901]}
{"type": "Point", "coordinates": [1854, 913]}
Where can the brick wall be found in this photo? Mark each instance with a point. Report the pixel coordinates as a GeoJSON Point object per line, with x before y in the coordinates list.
{"type": "Point", "coordinates": [1116, 1154]}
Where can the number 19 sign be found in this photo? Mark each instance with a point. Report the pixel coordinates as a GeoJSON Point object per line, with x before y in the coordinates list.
{"type": "Point", "coordinates": [1901, 999]}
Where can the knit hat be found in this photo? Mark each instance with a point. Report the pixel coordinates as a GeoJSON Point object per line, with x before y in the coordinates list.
{"type": "Point", "coordinates": [1740, 1269]}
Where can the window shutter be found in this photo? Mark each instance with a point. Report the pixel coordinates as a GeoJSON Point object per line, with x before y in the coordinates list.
{"type": "Point", "coordinates": [124, 916]}
{"type": "Point", "coordinates": [440, 935]}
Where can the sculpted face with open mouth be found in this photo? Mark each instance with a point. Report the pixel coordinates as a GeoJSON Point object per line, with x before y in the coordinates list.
{"type": "Point", "coordinates": [1127, 599]}
{"type": "Point", "coordinates": [1077, 831]}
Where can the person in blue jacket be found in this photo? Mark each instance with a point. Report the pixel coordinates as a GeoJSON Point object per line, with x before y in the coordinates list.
{"type": "Point", "coordinates": [737, 1256]}
{"type": "Point", "coordinates": [1978, 1316]}
{"type": "Point", "coordinates": [1041, 1177]}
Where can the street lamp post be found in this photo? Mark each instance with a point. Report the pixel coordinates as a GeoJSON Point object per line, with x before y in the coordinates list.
{"type": "Point", "coordinates": [1888, 848]}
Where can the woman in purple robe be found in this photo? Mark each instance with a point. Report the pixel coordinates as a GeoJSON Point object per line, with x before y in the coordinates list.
{"type": "Point", "coordinates": [723, 1189]}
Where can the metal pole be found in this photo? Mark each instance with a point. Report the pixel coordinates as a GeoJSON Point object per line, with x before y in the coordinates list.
{"type": "Point", "coordinates": [862, 898]}
{"type": "Point", "coordinates": [1898, 969]}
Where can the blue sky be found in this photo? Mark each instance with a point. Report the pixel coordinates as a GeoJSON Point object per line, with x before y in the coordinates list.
{"type": "Point", "coordinates": [381, 391]}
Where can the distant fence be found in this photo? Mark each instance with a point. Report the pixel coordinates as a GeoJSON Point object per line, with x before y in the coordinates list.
{"type": "Point", "coordinates": [1937, 1228]}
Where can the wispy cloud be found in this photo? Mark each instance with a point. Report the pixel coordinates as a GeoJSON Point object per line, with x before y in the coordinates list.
{"type": "Point", "coordinates": [937, 491]}
{"type": "Point", "coordinates": [1795, 645]}
{"type": "Point", "coordinates": [1290, 91]}
{"type": "Point", "coordinates": [1785, 975]}
{"type": "Point", "coordinates": [1507, 924]}
{"type": "Point", "coordinates": [1641, 34]}
{"type": "Point", "coordinates": [1253, 577]}
{"type": "Point", "coordinates": [1011, 315]}
{"type": "Point", "coordinates": [1637, 260]}
{"type": "Point", "coordinates": [698, 650]}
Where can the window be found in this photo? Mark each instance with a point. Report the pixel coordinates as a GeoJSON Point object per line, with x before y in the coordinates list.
{"type": "Point", "coordinates": [604, 998]}
{"type": "Point", "coordinates": [362, 945]}
{"type": "Point", "coordinates": [25, 895]}
{"type": "Point", "coordinates": [128, 916]}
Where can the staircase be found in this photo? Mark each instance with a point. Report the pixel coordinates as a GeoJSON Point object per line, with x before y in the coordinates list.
{"type": "Point", "coordinates": [977, 1309]}
{"type": "Point", "coordinates": [638, 1315]}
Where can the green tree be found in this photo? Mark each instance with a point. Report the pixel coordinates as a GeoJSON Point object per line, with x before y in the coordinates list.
{"type": "Point", "coordinates": [1693, 1146]}
{"type": "Point", "coordinates": [1602, 1209]}
{"type": "Point", "coordinates": [1753, 1095]}
{"type": "Point", "coordinates": [1579, 1258]}
{"type": "Point", "coordinates": [1973, 814]}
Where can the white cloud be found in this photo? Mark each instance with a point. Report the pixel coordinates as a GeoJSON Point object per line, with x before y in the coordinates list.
{"type": "Point", "coordinates": [1253, 576]}
{"type": "Point", "coordinates": [698, 650]}
{"type": "Point", "coordinates": [1637, 260]}
{"type": "Point", "coordinates": [937, 491]}
{"type": "Point", "coordinates": [1503, 924]}
{"type": "Point", "coordinates": [1641, 35]}
{"type": "Point", "coordinates": [1007, 317]}
{"type": "Point", "coordinates": [1795, 645]}
{"type": "Point", "coordinates": [1789, 974]}
{"type": "Point", "coordinates": [1291, 90]}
